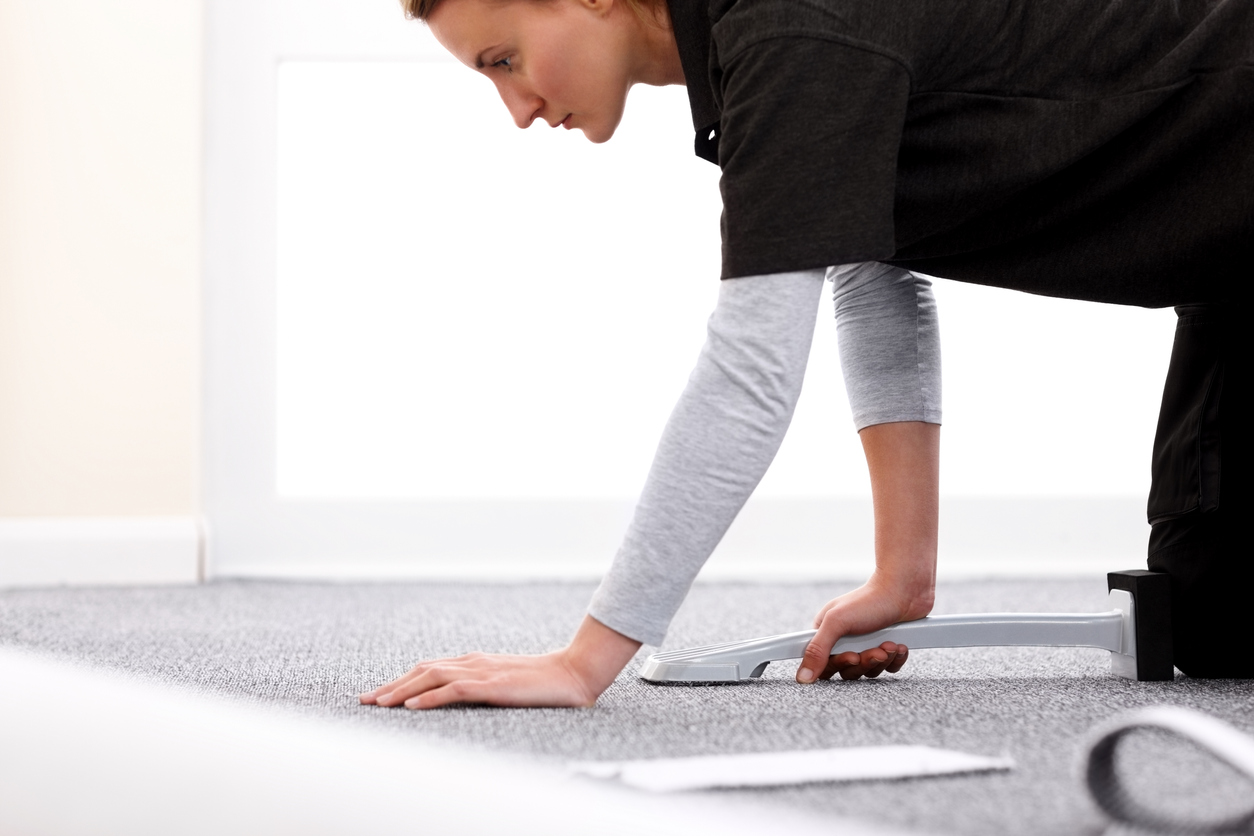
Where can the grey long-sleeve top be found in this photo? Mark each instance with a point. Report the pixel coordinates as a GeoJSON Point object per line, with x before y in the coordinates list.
{"type": "Point", "coordinates": [739, 400]}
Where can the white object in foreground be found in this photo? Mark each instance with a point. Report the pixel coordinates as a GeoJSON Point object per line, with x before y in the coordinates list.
{"type": "Point", "coordinates": [1213, 736]}
{"type": "Point", "coordinates": [83, 751]}
{"type": "Point", "coordinates": [1114, 630]}
{"type": "Point", "coordinates": [772, 769]}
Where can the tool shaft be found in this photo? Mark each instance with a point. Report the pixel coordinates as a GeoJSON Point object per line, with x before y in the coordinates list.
{"type": "Point", "coordinates": [742, 660]}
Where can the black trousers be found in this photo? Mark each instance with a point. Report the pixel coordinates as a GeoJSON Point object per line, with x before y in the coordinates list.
{"type": "Point", "coordinates": [1200, 491]}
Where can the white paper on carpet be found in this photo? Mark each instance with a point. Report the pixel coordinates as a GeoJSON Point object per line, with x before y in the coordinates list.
{"type": "Point", "coordinates": [770, 769]}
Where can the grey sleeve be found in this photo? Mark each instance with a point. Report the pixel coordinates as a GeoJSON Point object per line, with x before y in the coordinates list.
{"type": "Point", "coordinates": [733, 414]}
{"type": "Point", "coordinates": [720, 439]}
{"type": "Point", "coordinates": [889, 337]}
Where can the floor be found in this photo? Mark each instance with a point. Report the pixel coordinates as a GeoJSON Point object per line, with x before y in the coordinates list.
{"type": "Point", "coordinates": [313, 647]}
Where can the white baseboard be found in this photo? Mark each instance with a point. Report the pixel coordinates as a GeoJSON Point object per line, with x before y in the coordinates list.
{"type": "Point", "coordinates": [88, 551]}
{"type": "Point", "coordinates": [772, 539]}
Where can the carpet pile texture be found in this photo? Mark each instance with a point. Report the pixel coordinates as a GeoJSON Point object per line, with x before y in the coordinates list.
{"type": "Point", "coordinates": [314, 647]}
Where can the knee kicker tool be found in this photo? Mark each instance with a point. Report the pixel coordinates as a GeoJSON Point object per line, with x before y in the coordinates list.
{"type": "Point", "coordinates": [1136, 631]}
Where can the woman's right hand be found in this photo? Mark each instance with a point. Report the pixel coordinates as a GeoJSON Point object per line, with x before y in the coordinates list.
{"type": "Point", "coordinates": [491, 679]}
{"type": "Point", "coordinates": [568, 678]}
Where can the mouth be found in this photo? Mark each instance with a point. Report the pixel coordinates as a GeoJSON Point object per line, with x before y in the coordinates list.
{"type": "Point", "coordinates": [565, 123]}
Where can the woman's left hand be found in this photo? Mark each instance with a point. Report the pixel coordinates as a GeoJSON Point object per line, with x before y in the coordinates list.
{"type": "Point", "coordinates": [904, 462]}
{"type": "Point", "coordinates": [870, 607]}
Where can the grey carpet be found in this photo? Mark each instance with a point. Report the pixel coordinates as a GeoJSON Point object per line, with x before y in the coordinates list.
{"type": "Point", "coordinates": [313, 647]}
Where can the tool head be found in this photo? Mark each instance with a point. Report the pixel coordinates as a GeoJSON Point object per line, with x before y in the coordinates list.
{"type": "Point", "coordinates": [727, 662]}
{"type": "Point", "coordinates": [1149, 624]}
{"type": "Point", "coordinates": [657, 671]}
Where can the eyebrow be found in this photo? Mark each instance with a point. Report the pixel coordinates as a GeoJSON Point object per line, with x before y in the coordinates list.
{"type": "Point", "coordinates": [479, 62]}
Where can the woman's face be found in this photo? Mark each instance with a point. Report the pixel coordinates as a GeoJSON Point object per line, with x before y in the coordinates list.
{"type": "Point", "coordinates": [568, 62]}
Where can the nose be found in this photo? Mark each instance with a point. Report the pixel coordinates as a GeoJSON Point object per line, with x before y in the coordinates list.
{"type": "Point", "coordinates": [522, 105]}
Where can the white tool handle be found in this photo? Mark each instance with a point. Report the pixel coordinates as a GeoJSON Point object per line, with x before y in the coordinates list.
{"type": "Point", "coordinates": [743, 660]}
{"type": "Point", "coordinates": [1104, 630]}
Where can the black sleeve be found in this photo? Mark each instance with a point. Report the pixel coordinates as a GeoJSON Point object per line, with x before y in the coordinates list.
{"type": "Point", "coordinates": [809, 138]}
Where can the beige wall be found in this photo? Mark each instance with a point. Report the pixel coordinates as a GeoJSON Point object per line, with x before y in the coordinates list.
{"type": "Point", "coordinates": [100, 166]}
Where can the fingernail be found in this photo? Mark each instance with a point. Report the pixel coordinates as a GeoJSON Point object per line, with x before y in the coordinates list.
{"type": "Point", "coordinates": [805, 675]}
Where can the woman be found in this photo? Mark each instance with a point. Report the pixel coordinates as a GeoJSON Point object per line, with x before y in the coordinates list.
{"type": "Point", "coordinates": [1091, 149]}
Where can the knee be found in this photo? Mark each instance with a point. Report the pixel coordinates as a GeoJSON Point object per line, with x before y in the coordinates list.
{"type": "Point", "coordinates": [1212, 579]}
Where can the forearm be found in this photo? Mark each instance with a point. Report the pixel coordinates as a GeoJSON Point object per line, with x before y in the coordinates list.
{"type": "Point", "coordinates": [903, 459]}
{"type": "Point", "coordinates": [719, 441]}
{"type": "Point", "coordinates": [889, 339]}
{"type": "Point", "coordinates": [730, 420]}
{"type": "Point", "coordinates": [889, 336]}
{"type": "Point", "coordinates": [904, 464]}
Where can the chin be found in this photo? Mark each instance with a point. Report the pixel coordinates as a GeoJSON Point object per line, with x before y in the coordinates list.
{"type": "Point", "coordinates": [598, 134]}
{"type": "Point", "coordinates": [602, 132]}
{"type": "Point", "coordinates": [597, 138]}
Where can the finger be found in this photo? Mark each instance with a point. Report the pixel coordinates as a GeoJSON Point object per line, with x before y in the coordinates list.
{"type": "Point", "coordinates": [815, 660]}
{"type": "Point", "coordinates": [888, 657]}
{"type": "Point", "coordinates": [870, 660]}
{"type": "Point", "coordinates": [373, 696]}
{"type": "Point", "coordinates": [903, 653]}
{"type": "Point", "coordinates": [383, 694]}
{"type": "Point", "coordinates": [853, 672]}
{"type": "Point", "coordinates": [432, 676]}
{"type": "Point", "coordinates": [404, 682]}
{"type": "Point", "coordinates": [839, 662]}
{"type": "Point", "coordinates": [420, 667]}
{"type": "Point", "coordinates": [457, 691]}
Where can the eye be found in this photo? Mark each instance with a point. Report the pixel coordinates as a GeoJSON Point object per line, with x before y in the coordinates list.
{"type": "Point", "coordinates": [506, 62]}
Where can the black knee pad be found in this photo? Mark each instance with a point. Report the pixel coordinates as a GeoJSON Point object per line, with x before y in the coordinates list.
{"type": "Point", "coordinates": [1212, 579]}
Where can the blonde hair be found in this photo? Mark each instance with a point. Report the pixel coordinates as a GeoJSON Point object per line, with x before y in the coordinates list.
{"type": "Point", "coordinates": [418, 9]}
{"type": "Point", "coordinates": [650, 11]}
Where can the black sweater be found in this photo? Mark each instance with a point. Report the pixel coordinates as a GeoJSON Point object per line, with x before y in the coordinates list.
{"type": "Point", "coordinates": [1093, 149]}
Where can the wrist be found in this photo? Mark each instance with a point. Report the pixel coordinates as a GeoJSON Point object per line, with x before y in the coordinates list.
{"type": "Point", "coordinates": [595, 656]}
{"type": "Point", "coordinates": [913, 592]}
